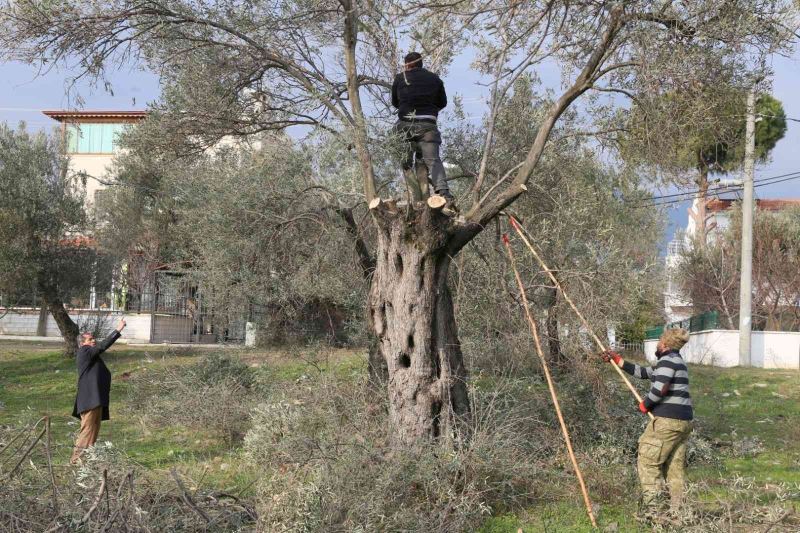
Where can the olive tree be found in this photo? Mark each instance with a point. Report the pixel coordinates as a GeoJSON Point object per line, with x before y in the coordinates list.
{"type": "Point", "coordinates": [233, 70]}
{"type": "Point", "coordinates": [42, 217]}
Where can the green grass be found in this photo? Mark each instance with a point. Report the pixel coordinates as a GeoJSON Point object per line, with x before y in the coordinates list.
{"type": "Point", "coordinates": [36, 380]}
{"type": "Point", "coordinates": [766, 408]}
{"type": "Point", "coordinates": [730, 404]}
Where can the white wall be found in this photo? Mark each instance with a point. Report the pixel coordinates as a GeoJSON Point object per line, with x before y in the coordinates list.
{"type": "Point", "coordinates": [24, 322]}
{"type": "Point", "coordinates": [770, 349]}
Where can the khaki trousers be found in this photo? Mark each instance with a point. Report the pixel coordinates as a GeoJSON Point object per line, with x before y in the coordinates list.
{"type": "Point", "coordinates": [87, 436]}
{"type": "Point", "coordinates": [662, 455]}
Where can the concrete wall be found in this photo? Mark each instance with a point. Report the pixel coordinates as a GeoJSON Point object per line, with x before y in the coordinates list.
{"type": "Point", "coordinates": [770, 349]}
{"type": "Point", "coordinates": [24, 322]}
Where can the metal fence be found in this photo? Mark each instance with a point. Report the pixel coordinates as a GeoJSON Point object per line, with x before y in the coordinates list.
{"type": "Point", "coordinates": [635, 348]}
{"type": "Point", "coordinates": [701, 322]}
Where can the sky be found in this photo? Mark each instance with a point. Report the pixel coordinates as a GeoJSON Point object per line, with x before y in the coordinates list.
{"type": "Point", "coordinates": [24, 94]}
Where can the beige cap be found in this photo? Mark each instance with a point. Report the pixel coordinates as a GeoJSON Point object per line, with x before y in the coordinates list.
{"type": "Point", "coordinates": [675, 338]}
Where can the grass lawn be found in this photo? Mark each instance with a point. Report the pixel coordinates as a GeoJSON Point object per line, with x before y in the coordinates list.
{"type": "Point", "coordinates": [752, 409]}
{"type": "Point", "coordinates": [732, 406]}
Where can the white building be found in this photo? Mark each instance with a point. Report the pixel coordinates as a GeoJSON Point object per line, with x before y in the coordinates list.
{"type": "Point", "coordinates": [91, 144]}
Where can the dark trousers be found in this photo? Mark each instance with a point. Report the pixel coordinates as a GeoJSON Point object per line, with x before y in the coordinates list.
{"type": "Point", "coordinates": [420, 159]}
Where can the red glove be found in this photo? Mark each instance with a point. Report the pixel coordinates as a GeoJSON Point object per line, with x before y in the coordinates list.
{"type": "Point", "coordinates": [643, 409]}
{"type": "Point", "coordinates": [610, 355]}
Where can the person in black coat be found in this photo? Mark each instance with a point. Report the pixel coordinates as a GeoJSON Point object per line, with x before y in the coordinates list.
{"type": "Point", "coordinates": [94, 388]}
{"type": "Point", "coordinates": [419, 95]}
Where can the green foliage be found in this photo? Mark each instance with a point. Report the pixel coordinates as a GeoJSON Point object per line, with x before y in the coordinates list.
{"type": "Point", "coordinates": [220, 367]}
{"type": "Point", "coordinates": [579, 215]}
{"type": "Point", "coordinates": [700, 129]}
{"type": "Point", "coordinates": [249, 223]}
{"type": "Point", "coordinates": [215, 394]}
{"type": "Point", "coordinates": [40, 205]}
{"type": "Point", "coordinates": [333, 466]}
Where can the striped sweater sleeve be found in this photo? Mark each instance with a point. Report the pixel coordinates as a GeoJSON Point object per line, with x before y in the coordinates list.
{"type": "Point", "coordinates": [662, 378]}
{"type": "Point", "coordinates": [641, 372]}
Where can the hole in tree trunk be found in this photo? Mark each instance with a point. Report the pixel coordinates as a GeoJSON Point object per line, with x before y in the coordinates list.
{"type": "Point", "coordinates": [398, 264]}
{"type": "Point", "coordinates": [405, 360]}
{"type": "Point", "coordinates": [436, 412]}
{"type": "Point", "coordinates": [410, 342]}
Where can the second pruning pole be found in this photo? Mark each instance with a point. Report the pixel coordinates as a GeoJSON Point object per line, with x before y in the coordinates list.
{"type": "Point", "coordinates": [519, 229]}
{"type": "Point", "coordinates": [550, 385]}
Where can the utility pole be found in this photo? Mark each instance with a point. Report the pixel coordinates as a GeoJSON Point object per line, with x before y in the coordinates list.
{"type": "Point", "coordinates": [748, 209]}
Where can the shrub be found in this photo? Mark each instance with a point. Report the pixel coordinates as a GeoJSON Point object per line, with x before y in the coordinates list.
{"type": "Point", "coordinates": [109, 492]}
{"type": "Point", "coordinates": [330, 466]}
{"type": "Point", "coordinates": [217, 368]}
{"type": "Point", "coordinates": [214, 394]}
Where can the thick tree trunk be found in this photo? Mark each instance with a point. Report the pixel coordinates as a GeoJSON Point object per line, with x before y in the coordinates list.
{"type": "Point", "coordinates": [68, 328]}
{"type": "Point", "coordinates": [376, 365]}
{"type": "Point", "coordinates": [41, 324]}
{"type": "Point", "coordinates": [411, 312]}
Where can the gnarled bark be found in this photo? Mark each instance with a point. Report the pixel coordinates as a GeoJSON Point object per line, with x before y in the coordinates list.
{"type": "Point", "coordinates": [411, 312]}
{"type": "Point", "coordinates": [67, 327]}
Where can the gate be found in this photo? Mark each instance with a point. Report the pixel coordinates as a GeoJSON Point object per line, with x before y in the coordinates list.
{"type": "Point", "coordinates": [179, 315]}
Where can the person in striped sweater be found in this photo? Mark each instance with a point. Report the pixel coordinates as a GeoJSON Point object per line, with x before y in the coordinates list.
{"type": "Point", "coordinates": [662, 446]}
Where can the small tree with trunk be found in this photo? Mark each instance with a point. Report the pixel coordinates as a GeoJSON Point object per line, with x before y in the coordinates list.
{"type": "Point", "coordinates": [691, 134]}
{"type": "Point", "coordinates": [233, 71]}
{"type": "Point", "coordinates": [42, 218]}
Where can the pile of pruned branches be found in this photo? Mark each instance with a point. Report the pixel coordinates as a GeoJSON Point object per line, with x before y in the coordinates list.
{"type": "Point", "coordinates": [107, 492]}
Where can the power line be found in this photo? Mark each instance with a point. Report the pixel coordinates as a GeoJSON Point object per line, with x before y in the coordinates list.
{"type": "Point", "coordinates": [736, 190]}
{"type": "Point", "coordinates": [693, 193]}
{"type": "Point", "coordinates": [761, 183]}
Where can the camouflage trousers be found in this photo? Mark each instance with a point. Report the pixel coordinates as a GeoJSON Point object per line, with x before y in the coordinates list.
{"type": "Point", "coordinates": [662, 456]}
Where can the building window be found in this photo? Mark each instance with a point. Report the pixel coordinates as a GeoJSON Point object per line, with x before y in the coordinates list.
{"type": "Point", "coordinates": [92, 138]}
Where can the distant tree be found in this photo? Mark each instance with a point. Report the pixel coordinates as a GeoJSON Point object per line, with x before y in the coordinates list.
{"type": "Point", "coordinates": [42, 219]}
{"type": "Point", "coordinates": [698, 131]}
{"type": "Point", "coordinates": [711, 274]}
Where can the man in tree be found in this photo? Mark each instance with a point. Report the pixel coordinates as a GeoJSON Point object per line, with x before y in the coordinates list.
{"type": "Point", "coordinates": [662, 446]}
{"type": "Point", "coordinates": [419, 95]}
{"type": "Point", "coordinates": [94, 387]}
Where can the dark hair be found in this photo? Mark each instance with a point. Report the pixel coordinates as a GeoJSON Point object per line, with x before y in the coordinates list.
{"type": "Point", "coordinates": [413, 59]}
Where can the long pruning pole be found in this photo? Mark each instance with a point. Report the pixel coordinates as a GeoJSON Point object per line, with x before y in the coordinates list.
{"type": "Point", "coordinates": [521, 232]}
{"type": "Point", "coordinates": [550, 385]}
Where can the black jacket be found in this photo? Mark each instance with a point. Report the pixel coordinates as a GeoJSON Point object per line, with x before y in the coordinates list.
{"type": "Point", "coordinates": [94, 377]}
{"type": "Point", "coordinates": [418, 92]}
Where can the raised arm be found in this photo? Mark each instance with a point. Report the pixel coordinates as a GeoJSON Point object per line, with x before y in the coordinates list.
{"type": "Point", "coordinates": [106, 343]}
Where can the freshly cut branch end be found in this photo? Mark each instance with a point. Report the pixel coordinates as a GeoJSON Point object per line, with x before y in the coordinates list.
{"type": "Point", "coordinates": [436, 202]}
{"type": "Point", "coordinates": [374, 203]}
